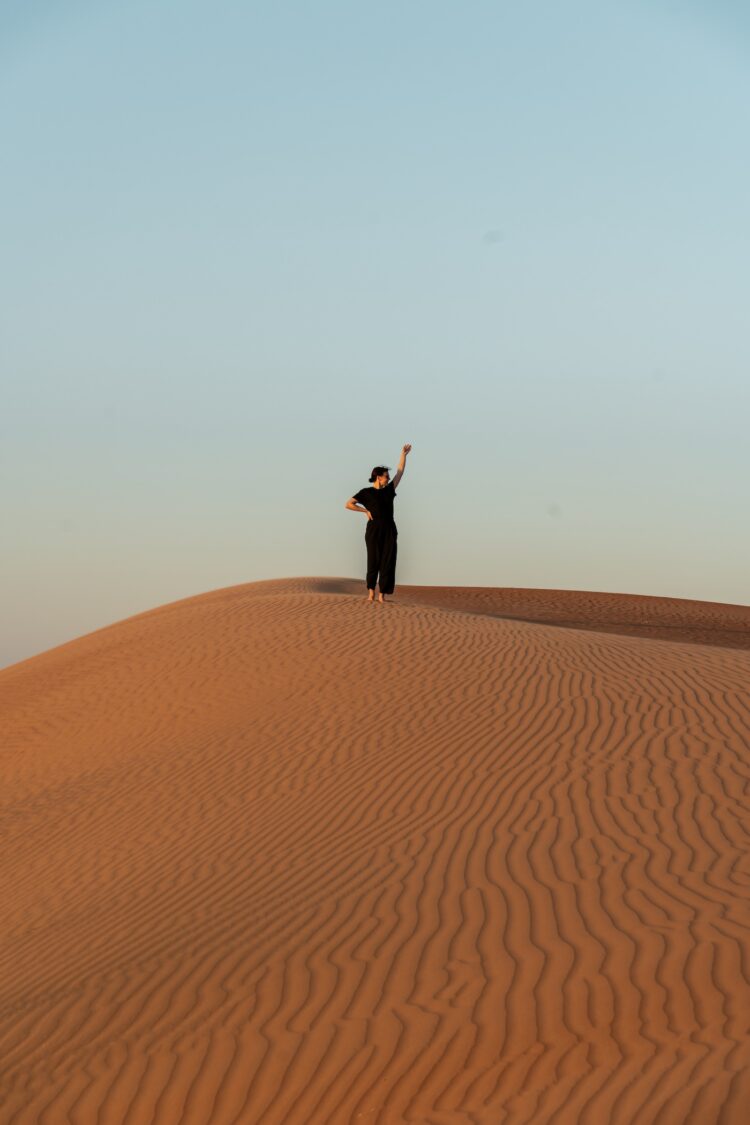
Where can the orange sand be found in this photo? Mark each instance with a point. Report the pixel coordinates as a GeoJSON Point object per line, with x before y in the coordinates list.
{"type": "Point", "coordinates": [275, 855]}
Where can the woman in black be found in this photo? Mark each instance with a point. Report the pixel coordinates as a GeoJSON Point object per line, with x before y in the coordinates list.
{"type": "Point", "coordinates": [381, 533]}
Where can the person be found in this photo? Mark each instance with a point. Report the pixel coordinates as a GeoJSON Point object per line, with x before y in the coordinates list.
{"type": "Point", "coordinates": [381, 533]}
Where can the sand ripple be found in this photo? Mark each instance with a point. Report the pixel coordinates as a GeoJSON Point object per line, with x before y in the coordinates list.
{"type": "Point", "coordinates": [275, 855]}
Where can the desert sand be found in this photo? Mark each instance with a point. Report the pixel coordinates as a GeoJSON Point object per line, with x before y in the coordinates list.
{"type": "Point", "coordinates": [273, 854]}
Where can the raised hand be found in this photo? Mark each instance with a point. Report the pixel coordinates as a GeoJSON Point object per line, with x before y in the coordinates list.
{"type": "Point", "coordinates": [406, 449]}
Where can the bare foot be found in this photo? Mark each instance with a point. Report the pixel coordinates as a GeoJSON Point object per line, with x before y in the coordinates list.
{"type": "Point", "coordinates": [381, 598]}
{"type": "Point", "coordinates": [371, 596]}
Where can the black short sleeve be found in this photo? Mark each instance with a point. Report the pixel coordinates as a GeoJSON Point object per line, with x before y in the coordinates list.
{"type": "Point", "coordinates": [360, 496]}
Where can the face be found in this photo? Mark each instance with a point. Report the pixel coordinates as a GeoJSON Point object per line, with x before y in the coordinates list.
{"type": "Point", "coordinates": [383, 479]}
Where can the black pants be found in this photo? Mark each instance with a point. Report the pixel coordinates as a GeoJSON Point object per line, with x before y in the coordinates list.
{"type": "Point", "coordinates": [381, 540]}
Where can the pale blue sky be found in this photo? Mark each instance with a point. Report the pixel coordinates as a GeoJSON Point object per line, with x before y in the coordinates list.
{"type": "Point", "coordinates": [250, 250]}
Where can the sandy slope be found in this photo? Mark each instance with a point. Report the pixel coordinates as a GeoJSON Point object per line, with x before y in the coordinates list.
{"type": "Point", "coordinates": [275, 855]}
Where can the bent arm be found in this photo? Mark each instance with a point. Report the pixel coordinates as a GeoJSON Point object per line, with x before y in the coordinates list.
{"type": "Point", "coordinates": [353, 506]}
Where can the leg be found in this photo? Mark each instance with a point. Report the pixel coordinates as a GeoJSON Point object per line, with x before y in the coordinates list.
{"type": "Point", "coordinates": [373, 559]}
{"type": "Point", "coordinates": [388, 563]}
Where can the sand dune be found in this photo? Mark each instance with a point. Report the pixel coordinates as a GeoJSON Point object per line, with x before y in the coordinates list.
{"type": "Point", "coordinates": [275, 855]}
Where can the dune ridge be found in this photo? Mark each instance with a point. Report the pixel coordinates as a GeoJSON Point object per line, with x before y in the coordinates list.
{"type": "Point", "coordinates": [272, 854]}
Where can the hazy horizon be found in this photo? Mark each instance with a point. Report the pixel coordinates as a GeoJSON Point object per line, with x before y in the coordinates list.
{"type": "Point", "coordinates": [250, 253]}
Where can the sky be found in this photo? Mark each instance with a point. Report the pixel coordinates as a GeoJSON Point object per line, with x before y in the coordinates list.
{"type": "Point", "coordinates": [250, 250]}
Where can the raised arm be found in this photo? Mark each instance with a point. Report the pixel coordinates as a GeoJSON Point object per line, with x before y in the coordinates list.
{"type": "Point", "coordinates": [401, 465]}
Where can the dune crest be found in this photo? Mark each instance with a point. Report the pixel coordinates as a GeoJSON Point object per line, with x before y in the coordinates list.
{"type": "Point", "coordinates": [271, 854]}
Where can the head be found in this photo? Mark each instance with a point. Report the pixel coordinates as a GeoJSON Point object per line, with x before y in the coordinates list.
{"type": "Point", "coordinates": [380, 476]}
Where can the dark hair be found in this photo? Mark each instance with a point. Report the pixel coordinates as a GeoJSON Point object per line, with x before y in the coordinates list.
{"type": "Point", "coordinates": [378, 471]}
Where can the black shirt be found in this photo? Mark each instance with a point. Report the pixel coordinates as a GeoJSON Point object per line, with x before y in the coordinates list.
{"type": "Point", "coordinates": [378, 501]}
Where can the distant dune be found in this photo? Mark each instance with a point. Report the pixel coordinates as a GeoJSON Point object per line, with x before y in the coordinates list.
{"type": "Point", "coordinates": [273, 854]}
